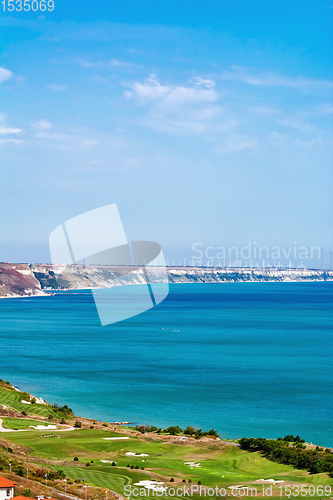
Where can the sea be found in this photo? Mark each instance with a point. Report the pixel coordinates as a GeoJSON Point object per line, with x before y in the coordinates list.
{"type": "Point", "coordinates": [245, 359]}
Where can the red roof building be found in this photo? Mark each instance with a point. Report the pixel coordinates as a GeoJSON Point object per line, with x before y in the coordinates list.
{"type": "Point", "coordinates": [6, 488]}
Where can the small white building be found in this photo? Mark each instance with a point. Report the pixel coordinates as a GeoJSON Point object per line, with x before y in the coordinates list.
{"type": "Point", "coordinates": [6, 488]}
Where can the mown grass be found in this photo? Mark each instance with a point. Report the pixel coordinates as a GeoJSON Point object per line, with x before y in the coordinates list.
{"type": "Point", "coordinates": [21, 423]}
{"type": "Point", "coordinates": [220, 466]}
{"type": "Point", "coordinates": [10, 397]}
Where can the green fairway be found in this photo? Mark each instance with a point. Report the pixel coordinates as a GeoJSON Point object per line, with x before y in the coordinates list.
{"type": "Point", "coordinates": [10, 397]}
{"type": "Point", "coordinates": [105, 477]}
{"type": "Point", "coordinates": [21, 423]}
{"type": "Point", "coordinates": [222, 465]}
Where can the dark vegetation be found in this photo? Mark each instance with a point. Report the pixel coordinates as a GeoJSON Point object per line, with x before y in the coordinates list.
{"type": "Point", "coordinates": [175, 430]}
{"type": "Point", "coordinates": [291, 451]}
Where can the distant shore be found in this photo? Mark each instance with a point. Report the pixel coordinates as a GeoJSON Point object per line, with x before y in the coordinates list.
{"type": "Point", "coordinates": [31, 280]}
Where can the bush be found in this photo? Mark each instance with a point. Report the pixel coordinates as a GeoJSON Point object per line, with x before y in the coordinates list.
{"type": "Point", "coordinates": [189, 430]}
{"type": "Point", "coordinates": [24, 413]}
{"type": "Point", "coordinates": [62, 421]}
{"type": "Point", "coordinates": [190, 480]}
{"type": "Point", "coordinates": [27, 492]}
{"type": "Point", "coordinates": [77, 424]}
{"type": "Point", "coordinates": [142, 468]}
{"type": "Point", "coordinates": [91, 427]}
{"type": "Point", "coordinates": [128, 465]}
{"type": "Point", "coordinates": [88, 464]}
{"type": "Point", "coordinates": [33, 401]}
{"type": "Point", "coordinates": [199, 483]}
{"type": "Point", "coordinates": [172, 480]}
{"type": "Point", "coordinates": [75, 459]}
{"type": "Point", "coordinates": [184, 481]}
{"type": "Point", "coordinates": [173, 430]}
{"type": "Point", "coordinates": [105, 424]}
{"type": "Point", "coordinates": [113, 464]}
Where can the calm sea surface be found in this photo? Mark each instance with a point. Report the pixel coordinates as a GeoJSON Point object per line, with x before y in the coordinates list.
{"type": "Point", "coordinates": [247, 359]}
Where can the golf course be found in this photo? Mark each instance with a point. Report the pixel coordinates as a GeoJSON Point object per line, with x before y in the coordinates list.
{"type": "Point", "coordinates": [110, 457]}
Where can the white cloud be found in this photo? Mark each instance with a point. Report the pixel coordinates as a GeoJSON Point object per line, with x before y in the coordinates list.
{"type": "Point", "coordinates": [236, 143]}
{"type": "Point", "coordinates": [11, 141]}
{"type": "Point", "coordinates": [41, 125]}
{"type": "Point", "coordinates": [151, 91]}
{"type": "Point", "coordinates": [113, 63]}
{"type": "Point", "coordinates": [270, 79]}
{"type": "Point", "coordinates": [5, 74]}
{"type": "Point", "coordinates": [89, 144]}
{"type": "Point", "coordinates": [7, 130]}
{"type": "Point", "coordinates": [202, 82]}
{"type": "Point", "coordinates": [57, 87]}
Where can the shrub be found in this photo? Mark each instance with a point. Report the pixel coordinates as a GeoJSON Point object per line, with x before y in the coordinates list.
{"type": "Point", "coordinates": [128, 465]}
{"type": "Point", "coordinates": [75, 459]}
{"type": "Point", "coordinates": [24, 413]}
{"type": "Point", "coordinates": [184, 481]}
{"type": "Point", "coordinates": [113, 464]}
{"type": "Point", "coordinates": [199, 483]}
{"type": "Point", "coordinates": [190, 480]}
{"type": "Point", "coordinates": [91, 427]}
{"type": "Point", "coordinates": [189, 430]}
{"type": "Point", "coordinates": [132, 466]}
{"type": "Point", "coordinates": [33, 400]}
{"type": "Point", "coordinates": [142, 468]}
{"type": "Point", "coordinates": [62, 421]}
{"type": "Point", "coordinates": [173, 430]}
{"type": "Point", "coordinates": [105, 424]}
{"type": "Point", "coordinates": [77, 424]}
{"type": "Point", "coordinates": [88, 464]}
{"type": "Point", "coordinates": [27, 492]}
{"type": "Point", "coordinates": [172, 480]}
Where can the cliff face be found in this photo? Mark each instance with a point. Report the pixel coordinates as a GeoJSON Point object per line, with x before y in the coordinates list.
{"type": "Point", "coordinates": [25, 280]}
{"type": "Point", "coordinates": [18, 280]}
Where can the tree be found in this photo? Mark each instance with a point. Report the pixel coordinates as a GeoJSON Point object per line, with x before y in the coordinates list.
{"type": "Point", "coordinates": [27, 492]}
{"type": "Point", "coordinates": [189, 430]}
{"type": "Point", "coordinates": [173, 430]}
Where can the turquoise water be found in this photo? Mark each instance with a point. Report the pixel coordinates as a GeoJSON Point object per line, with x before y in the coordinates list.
{"type": "Point", "coordinates": [247, 359]}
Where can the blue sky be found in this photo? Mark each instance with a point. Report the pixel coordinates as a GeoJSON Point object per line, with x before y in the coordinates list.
{"type": "Point", "coordinates": [206, 123]}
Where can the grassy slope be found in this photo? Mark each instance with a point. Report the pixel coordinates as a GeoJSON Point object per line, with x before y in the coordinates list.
{"type": "Point", "coordinates": [21, 423]}
{"type": "Point", "coordinates": [220, 466]}
{"type": "Point", "coordinates": [10, 397]}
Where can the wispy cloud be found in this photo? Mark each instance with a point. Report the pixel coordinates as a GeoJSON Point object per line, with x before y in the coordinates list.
{"type": "Point", "coordinates": [8, 130]}
{"type": "Point", "coordinates": [57, 87]}
{"type": "Point", "coordinates": [270, 79]}
{"type": "Point", "coordinates": [11, 141]}
{"type": "Point", "coordinates": [112, 63]}
{"type": "Point", "coordinates": [151, 91]}
{"type": "Point", "coordinates": [41, 125]}
{"type": "Point", "coordinates": [5, 74]}
{"type": "Point", "coordinates": [236, 143]}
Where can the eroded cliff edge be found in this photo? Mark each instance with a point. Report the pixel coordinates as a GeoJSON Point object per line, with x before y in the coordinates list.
{"type": "Point", "coordinates": [19, 280]}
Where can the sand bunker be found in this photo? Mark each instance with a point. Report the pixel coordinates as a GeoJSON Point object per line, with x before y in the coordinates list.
{"type": "Point", "coordinates": [270, 481]}
{"type": "Point", "coordinates": [43, 427]}
{"type": "Point", "coordinates": [131, 454]}
{"type": "Point", "coordinates": [152, 485]}
{"type": "Point", "coordinates": [115, 439]}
